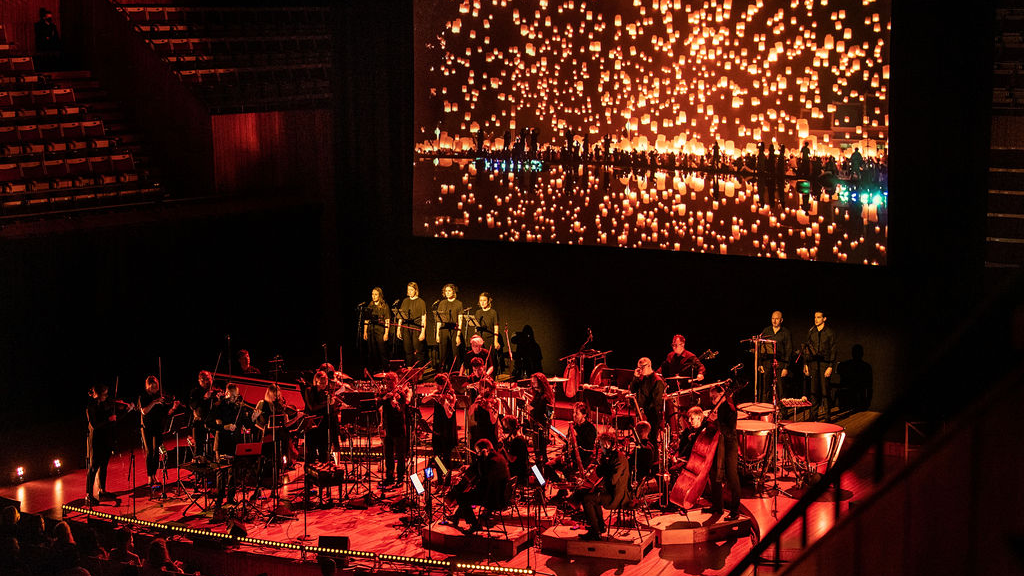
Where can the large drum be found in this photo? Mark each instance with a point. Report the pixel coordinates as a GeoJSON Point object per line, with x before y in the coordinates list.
{"type": "Point", "coordinates": [754, 437]}
{"type": "Point", "coordinates": [814, 443]}
{"type": "Point", "coordinates": [762, 411]}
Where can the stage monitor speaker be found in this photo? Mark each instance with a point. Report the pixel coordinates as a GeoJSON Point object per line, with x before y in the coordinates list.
{"type": "Point", "coordinates": [237, 529]}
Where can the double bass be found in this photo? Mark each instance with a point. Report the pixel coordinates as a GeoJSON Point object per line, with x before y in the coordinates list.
{"type": "Point", "coordinates": [692, 479]}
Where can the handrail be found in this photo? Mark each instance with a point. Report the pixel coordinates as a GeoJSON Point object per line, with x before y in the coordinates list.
{"type": "Point", "coordinates": [873, 436]}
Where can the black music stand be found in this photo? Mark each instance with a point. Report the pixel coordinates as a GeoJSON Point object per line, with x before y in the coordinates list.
{"type": "Point", "coordinates": [597, 402]}
{"type": "Point", "coordinates": [175, 425]}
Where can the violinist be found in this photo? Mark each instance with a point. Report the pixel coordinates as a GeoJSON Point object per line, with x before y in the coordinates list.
{"type": "Point", "coordinates": [445, 435]}
{"type": "Point", "coordinates": [649, 388]}
{"type": "Point", "coordinates": [541, 407]}
{"type": "Point", "coordinates": [484, 420]}
{"type": "Point", "coordinates": [612, 473]}
{"type": "Point", "coordinates": [376, 325]}
{"type": "Point", "coordinates": [101, 414]}
{"type": "Point", "coordinates": [155, 409]}
{"type": "Point", "coordinates": [491, 472]}
{"type": "Point", "coordinates": [725, 466]}
{"type": "Point", "coordinates": [273, 417]}
{"type": "Point", "coordinates": [201, 400]}
{"type": "Point", "coordinates": [516, 450]}
{"type": "Point", "coordinates": [230, 416]}
{"type": "Point", "coordinates": [318, 398]}
{"type": "Point", "coordinates": [394, 405]}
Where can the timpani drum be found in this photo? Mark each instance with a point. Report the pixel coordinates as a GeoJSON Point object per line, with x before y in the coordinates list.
{"type": "Point", "coordinates": [762, 411]}
{"type": "Point", "coordinates": [754, 437]}
{"type": "Point", "coordinates": [813, 443]}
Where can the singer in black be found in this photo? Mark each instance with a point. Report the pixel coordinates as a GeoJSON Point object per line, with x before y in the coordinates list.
{"type": "Point", "coordinates": [412, 324]}
{"type": "Point", "coordinates": [101, 414]}
{"type": "Point", "coordinates": [492, 475]}
{"type": "Point", "coordinates": [376, 325]}
{"type": "Point", "coordinates": [201, 400]}
{"type": "Point", "coordinates": [317, 398]}
{"type": "Point", "coordinates": [542, 406]}
{"type": "Point", "coordinates": [649, 388]}
{"type": "Point", "coordinates": [821, 351]}
{"type": "Point", "coordinates": [773, 360]}
{"type": "Point", "coordinates": [155, 409]}
{"type": "Point", "coordinates": [394, 413]}
{"type": "Point", "coordinates": [610, 488]}
{"type": "Point", "coordinates": [681, 362]}
{"type": "Point", "coordinates": [487, 321]}
{"type": "Point", "coordinates": [448, 329]}
{"type": "Point", "coordinates": [725, 466]}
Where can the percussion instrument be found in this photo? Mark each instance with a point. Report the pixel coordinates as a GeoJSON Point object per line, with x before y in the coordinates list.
{"type": "Point", "coordinates": [811, 444]}
{"type": "Point", "coordinates": [762, 411]}
{"type": "Point", "coordinates": [753, 437]}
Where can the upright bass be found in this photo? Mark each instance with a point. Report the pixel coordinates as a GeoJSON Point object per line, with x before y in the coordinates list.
{"type": "Point", "coordinates": [692, 479]}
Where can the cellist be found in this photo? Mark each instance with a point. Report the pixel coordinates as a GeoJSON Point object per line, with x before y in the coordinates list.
{"type": "Point", "coordinates": [725, 466]}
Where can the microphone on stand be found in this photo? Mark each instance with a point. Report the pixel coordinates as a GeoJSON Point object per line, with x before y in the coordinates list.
{"type": "Point", "coordinates": [395, 304]}
{"type": "Point", "coordinates": [736, 368]}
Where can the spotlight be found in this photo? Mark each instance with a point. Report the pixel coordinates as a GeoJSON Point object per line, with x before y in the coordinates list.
{"type": "Point", "coordinates": [56, 467]}
{"type": "Point", "coordinates": [19, 474]}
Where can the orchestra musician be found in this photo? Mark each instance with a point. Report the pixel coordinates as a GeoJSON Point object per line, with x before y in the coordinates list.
{"type": "Point", "coordinates": [688, 437]}
{"type": "Point", "coordinates": [542, 405]}
{"type": "Point", "coordinates": [516, 450]}
{"type": "Point", "coordinates": [582, 438]}
{"type": "Point", "coordinates": [725, 467]}
{"type": "Point", "coordinates": [230, 416]}
{"type": "Point", "coordinates": [412, 325]}
{"type": "Point", "coordinates": [445, 429]}
{"type": "Point", "coordinates": [681, 362]}
{"type": "Point", "coordinates": [642, 460]}
{"type": "Point", "coordinates": [201, 400]}
{"type": "Point", "coordinates": [317, 399]}
{"type": "Point", "coordinates": [649, 388]}
{"type": "Point", "coordinates": [394, 406]}
{"type": "Point", "coordinates": [448, 329]}
{"type": "Point", "coordinates": [376, 325]}
{"type": "Point", "coordinates": [476, 352]}
{"type": "Point", "coordinates": [155, 409]}
{"type": "Point", "coordinates": [778, 354]}
{"type": "Point", "coordinates": [612, 475]}
{"type": "Point", "coordinates": [483, 423]}
{"type": "Point", "coordinates": [101, 415]}
{"type": "Point", "coordinates": [245, 366]}
{"type": "Point", "coordinates": [821, 352]}
{"type": "Point", "coordinates": [491, 474]}
{"type": "Point", "coordinates": [274, 417]}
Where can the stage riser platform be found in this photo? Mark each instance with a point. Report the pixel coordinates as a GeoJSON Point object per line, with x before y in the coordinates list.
{"type": "Point", "coordinates": [677, 529]}
{"type": "Point", "coordinates": [493, 542]}
{"type": "Point", "coordinates": [622, 545]}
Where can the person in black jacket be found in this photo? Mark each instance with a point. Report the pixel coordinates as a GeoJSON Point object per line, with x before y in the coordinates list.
{"type": "Point", "coordinates": [773, 359]}
{"type": "Point", "coordinates": [725, 466]}
{"type": "Point", "coordinates": [492, 476]}
{"type": "Point", "coordinates": [821, 351]}
{"type": "Point", "coordinates": [155, 409]}
{"type": "Point", "coordinates": [101, 415]}
{"type": "Point", "coordinates": [611, 489]}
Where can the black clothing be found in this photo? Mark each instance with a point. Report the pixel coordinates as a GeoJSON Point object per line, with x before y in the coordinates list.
{"type": "Point", "coordinates": [685, 364]}
{"type": "Point", "coordinates": [47, 36]}
{"type": "Point", "coordinates": [154, 423]}
{"type": "Point", "coordinates": [644, 460]}
{"type": "Point", "coordinates": [318, 438]}
{"type": "Point", "coordinates": [767, 355]}
{"type": "Point", "coordinates": [481, 425]}
{"type": "Point", "coordinates": [726, 463]}
{"type": "Point", "coordinates": [101, 442]}
{"type": "Point", "coordinates": [611, 491]}
{"type": "Point", "coordinates": [492, 477]}
{"type": "Point", "coordinates": [821, 351]}
{"type": "Point", "coordinates": [650, 395]}
{"type": "Point", "coordinates": [484, 354]}
{"type": "Point", "coordinates": [519, 458]}
{"type": "Point", "coordinates": [448, 312]}
{"type": "Point", "coordinates": [224, 414]}
{"type": "Point", "coordinates": [376, 316]}
{"type": "Point", "coordinates": [540, 423]}
{"type": "Point", "coordinates": [411, 313]}
{"type": "Point", "coordinates": [201, 400]}
{"type": "Point", "coordinates": [586, 438]}
{"type": "Point", "coordinates": [445, 436]}
{"type": "Point", "coordinates": [396, 437]}
{"type": "Point", "coordinates": [486, 320]}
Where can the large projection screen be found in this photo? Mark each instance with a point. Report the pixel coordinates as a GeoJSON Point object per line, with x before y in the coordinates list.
{"type": "Point", "coordinates": [745, 127]}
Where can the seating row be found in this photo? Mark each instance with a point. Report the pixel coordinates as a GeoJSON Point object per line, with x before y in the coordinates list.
{"type": "Point", "coordinates": [52, 131]}
{"type": "Point", "coordinates": [22, 116]}
{"type": "Point", "coordinates": [24, 98]}
{"type": "Point", "coordinates": [60, 149]}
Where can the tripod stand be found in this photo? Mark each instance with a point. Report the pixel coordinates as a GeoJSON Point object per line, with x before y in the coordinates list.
{"type": "Point", "coordinates": [773, 463]}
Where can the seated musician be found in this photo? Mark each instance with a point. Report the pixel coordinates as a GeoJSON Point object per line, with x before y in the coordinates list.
{"type": "Point", "coordinates": [582, 437]}
{"type": "Point", "coordinates": [644, 456]}
{"type": "Point", "coordinates": [681, 362]}
{"type": "Point", "coordinates": [476, 351]}
{"type": "Point", "coordinates": [610, 488]}
{"type": "Point", "coordinates": [491, 473]}
{"type": "Point", "coordinates": [541, 407]}
{"type": "Point", "coordinates": [484, 418]}
{"type": "Point", "coordinates": [273, 417]}
{"type": "Point", "coordinates": [517, 450]}
{"type": "Point", "coordinates": [445, 429]}
{"type": "Point", "coordinates": [687, 437]}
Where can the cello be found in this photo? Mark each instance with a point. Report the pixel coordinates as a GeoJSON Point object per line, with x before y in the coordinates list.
{"type": "Point", "coordinates": [692, 479]}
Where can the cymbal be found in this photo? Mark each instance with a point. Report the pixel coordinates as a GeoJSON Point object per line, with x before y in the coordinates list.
{"type": "Point", "coordinates": [678, 378]}
{"type": "Point", "coordinates": [380, 374]}
{"type": "Point", "coordinates": [557, 379]}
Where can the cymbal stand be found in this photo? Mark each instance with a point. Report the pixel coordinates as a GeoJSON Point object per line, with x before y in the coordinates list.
{"type": "Point", "coordinates": [774, 465]}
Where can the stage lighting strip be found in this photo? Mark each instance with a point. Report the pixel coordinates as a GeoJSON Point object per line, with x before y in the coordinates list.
{"type": "Point", "coordinates": [445, 564]}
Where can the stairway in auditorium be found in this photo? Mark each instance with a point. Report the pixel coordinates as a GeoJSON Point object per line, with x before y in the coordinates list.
{"type": "Point", "coordinates": [66, 146]}
{"type": "Point", "coordinates": [1005, 215]}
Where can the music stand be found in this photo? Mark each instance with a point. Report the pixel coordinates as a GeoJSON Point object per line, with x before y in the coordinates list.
{"type": "Point", "coordinates": [597, 402]}
{"type": "Point", "coordinates": [175, 424]}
